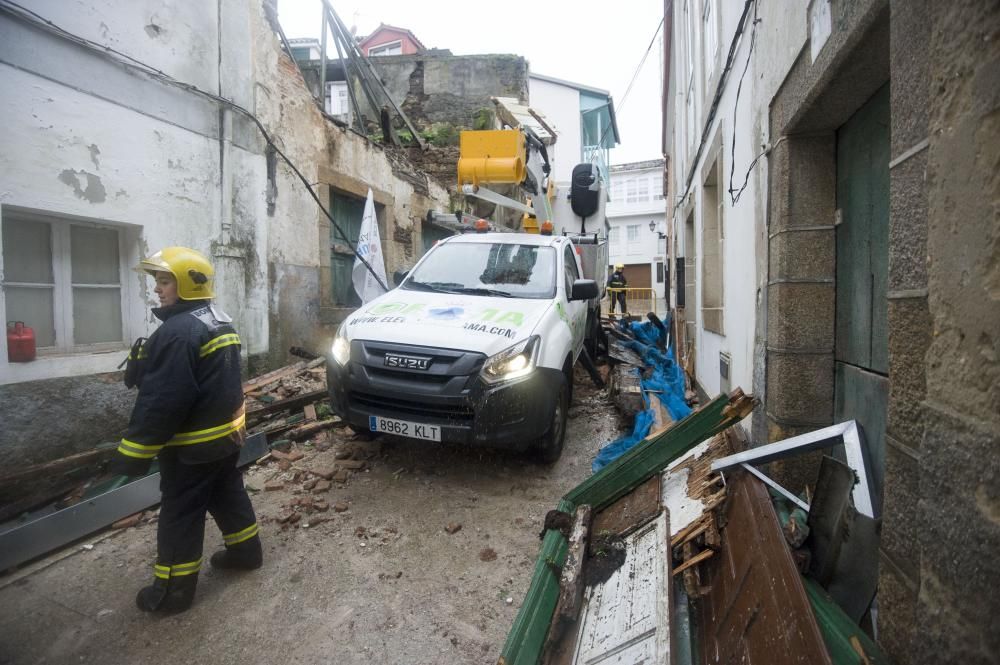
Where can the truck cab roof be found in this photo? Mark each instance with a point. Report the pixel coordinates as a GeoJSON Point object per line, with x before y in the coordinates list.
{"type": "Point", "coordinates": [508, 239]}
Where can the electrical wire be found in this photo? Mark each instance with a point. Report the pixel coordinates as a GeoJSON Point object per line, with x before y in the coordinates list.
{"type": "Point", "coordinates": [732, 160]}
{"type": "Point", "coordinates": [642, 62]}
{"type": "Point", "coordinates": [716, 100]}
{"type": "Point", "coordinates": [635, 75]}
{"type": "Point", "coordinates": [30, 16]}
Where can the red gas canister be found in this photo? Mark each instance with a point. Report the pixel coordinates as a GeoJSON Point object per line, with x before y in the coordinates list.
{"type": "Point", "coordinates": [20, 343]}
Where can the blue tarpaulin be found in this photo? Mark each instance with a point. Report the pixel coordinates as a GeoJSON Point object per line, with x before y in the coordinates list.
{"type": "Point", "coordinates": [666, 379]}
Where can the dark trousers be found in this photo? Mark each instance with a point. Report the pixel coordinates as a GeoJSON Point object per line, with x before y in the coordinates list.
{"type": "Point", "coordinates": [620, 297]}
{"type": "Point", "coordinates": [189, 491]}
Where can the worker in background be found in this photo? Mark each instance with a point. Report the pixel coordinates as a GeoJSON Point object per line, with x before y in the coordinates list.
{"type": "Point", "coordinates": [190, 413]}
{"type": "Point", "coordinates": [617, 281]}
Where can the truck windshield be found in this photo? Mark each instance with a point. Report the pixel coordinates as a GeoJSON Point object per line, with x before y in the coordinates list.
{"type": "Point", "coordinates": [487, 269]}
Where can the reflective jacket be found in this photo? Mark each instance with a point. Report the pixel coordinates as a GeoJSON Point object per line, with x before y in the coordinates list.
{"type": "Point", "coordinates": [617, 280]}
{"type": "Point", "coordinates": [190, 389]}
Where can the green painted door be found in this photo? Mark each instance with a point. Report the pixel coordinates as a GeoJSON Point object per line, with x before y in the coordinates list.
{"type": "Point", "coordinates": [347, 211]}
{"type": "Point", "coordinates": [862, 340]}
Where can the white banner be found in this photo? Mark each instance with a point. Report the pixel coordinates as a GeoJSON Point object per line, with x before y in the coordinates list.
{"type": "Point", "coordinates": [369, 248]}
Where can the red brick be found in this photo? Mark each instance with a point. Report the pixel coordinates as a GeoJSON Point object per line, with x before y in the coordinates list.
{"type": "Point", "coordinates": [274, 486]}
{"type": "Point", "coordinates": [353, 464]}
{"type": "Point", "coordinates": [453, 527]}
{"type": "Point", "coordinates": [295, 455]}
{"type": "Point", "coordinates": [322, 486]}
{"type": "Point", "coordinates": [340, 507]}
{"type": "Point", "coordinates": [324, 472]}
{"type": "Point", "coordinates": [321, 506]}
{"type": "Point", "coordinates": [342, 475]}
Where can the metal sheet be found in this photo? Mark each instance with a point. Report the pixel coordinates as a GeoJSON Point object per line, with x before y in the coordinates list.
{"type": "Point", "coordinates": [27, 541]}
{"type": "Point", "coordinates": [848, 434]}
{"type": "Point", "coordinates": [626, 619]}
{"type": "Point", "coordinates": [23, 542]}
{"type": "Point", "coordinates": [844, 543]}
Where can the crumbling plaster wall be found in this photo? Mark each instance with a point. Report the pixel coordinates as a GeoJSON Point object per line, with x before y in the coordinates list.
{"type": "Point", "coordinates": [302, 312]}
{"type": "Point", "coordinates": [87, 139]}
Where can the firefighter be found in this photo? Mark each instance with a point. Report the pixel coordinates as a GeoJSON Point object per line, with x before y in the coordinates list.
{"type": "Point", "coordinates": [190, 413]}
{"type": "Point", "coordinates": [617, 281]}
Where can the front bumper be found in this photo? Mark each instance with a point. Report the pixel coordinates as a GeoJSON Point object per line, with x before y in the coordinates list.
{"type": "Point", "coordinates": [449, 394]}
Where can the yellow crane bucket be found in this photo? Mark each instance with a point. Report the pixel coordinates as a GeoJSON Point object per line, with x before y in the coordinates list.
{"type": "Point", "coordinates": [491, 156]}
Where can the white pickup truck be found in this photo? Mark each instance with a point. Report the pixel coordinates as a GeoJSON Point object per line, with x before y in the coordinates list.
{"type": "Point", "coordinates": [476, 346]}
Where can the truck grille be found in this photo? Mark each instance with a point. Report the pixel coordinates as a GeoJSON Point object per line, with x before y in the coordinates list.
{"type": "Point", "coordinates": [451, 412]}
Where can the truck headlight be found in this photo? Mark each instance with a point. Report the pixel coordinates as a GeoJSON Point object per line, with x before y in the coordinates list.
{"type": "Point", "coordinates": [341, 349]}
{"type": "Point", "coordinates": [511, 363]}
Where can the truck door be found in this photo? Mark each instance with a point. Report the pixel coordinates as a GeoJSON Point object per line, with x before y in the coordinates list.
{"type": "Point", "coordinates": [576, 310]}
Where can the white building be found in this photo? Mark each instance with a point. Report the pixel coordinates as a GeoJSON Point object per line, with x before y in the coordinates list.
{"type": "Point", "coordinates": [583, 119]}
{"type": "Point", "coordinates": [714, 237]}
{"type": "Point", "coordinates": [637, 224]}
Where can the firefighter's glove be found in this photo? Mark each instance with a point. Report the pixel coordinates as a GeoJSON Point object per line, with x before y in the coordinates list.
{"type": "Point", "coordinates": [129, 466]}
{"type": "Point", "coordinates": [132, 364]}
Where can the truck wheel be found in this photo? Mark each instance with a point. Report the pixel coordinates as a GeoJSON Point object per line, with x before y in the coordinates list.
{"type": "Point", "coordinates": [549, 447]}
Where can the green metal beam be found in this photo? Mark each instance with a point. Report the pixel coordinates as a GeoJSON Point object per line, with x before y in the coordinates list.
{"type": "Point", "coordinates": [527, 635]}
{"type": "Point", "coordinates": [649, 457]}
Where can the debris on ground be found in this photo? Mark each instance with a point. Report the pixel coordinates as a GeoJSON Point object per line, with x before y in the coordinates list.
{"type": "Point", "coordinates": [647, 383]}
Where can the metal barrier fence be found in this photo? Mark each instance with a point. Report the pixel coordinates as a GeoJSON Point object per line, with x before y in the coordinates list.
{"type": "Point", "coordinates": [637, 301]}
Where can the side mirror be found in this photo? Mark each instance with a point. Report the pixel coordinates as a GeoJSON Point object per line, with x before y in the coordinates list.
{"type": "Point", "coordinates": [584, 289]}
{"type": "Point", "coordinates": [399, 276]}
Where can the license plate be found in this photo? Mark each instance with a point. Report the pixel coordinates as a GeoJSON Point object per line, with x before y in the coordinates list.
{"type": "Point", "coordinates": [404, 428]}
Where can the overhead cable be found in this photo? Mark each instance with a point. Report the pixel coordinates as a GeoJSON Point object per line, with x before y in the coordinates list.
{"type": "Point", "coordinates": [30, 16]}
{"type": "Point", "coordinates": [716, 100]}
{"type": "Point", "coordinates": [635, 75]}
{"type": "Point", "coordinates": [732, 160]}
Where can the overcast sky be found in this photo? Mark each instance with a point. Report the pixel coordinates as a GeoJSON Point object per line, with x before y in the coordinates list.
{"type": "Point", "coordinates": [598, 44]}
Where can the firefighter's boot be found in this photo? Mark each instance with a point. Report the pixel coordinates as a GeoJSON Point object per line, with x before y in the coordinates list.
{"type": "Point", "coordinates": [168, 596]}
{"type": "Point", "coordinates": [247, 555]}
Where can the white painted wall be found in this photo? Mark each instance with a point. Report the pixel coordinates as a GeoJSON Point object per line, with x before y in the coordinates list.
{"type": "Point", "coordinates": [780, 37]}
{"type": "Point", "coordinates": [152, 151]}
{"type": "Point", "coordinates": [560, 104]}
{"type": "Point", "coordinates": [168, 169]}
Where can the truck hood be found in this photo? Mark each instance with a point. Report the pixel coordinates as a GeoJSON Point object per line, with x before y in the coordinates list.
{"type": "Point", "coordinates": [468, 323]}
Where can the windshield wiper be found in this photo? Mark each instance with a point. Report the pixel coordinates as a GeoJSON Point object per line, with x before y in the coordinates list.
{"type": "Point", "coordinates": [479, 291]}
{"type": "Point", "coordinates": [436, 287]}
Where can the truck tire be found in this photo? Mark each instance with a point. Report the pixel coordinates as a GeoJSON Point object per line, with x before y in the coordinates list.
{"type": "Point", "coordinates": [549, 447]}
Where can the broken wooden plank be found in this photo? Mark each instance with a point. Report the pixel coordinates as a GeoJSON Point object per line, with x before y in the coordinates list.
{"type": "Point", "coordinates": [630, 512]}
{"type": "Point", "coordinates": [309, 429]}
{"type": "Point", "coordinates": [570, 580]}
{"type": "Point", "coordinates": [570, 586]}
{"type": "Point", "coordinates": [691, 532]}
{"type": "Point", "coordinates": [273, 376]}
{"type": "Point", "coordinates": [260, 386]}
{"type": "Point", "coordinates": [299, 401]}
{"type": "Point", "coordinates": [661, 417]}
{"type": "Point", "coordinates": [693, 561]}
{"type": "Point", "coordinates": [756, 610]}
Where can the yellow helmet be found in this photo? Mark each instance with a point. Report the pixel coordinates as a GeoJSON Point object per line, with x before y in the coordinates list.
{"type": "Point", "coordinates": [619, 266]}
{"type": "Point", "coordinates": [193, 272]}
